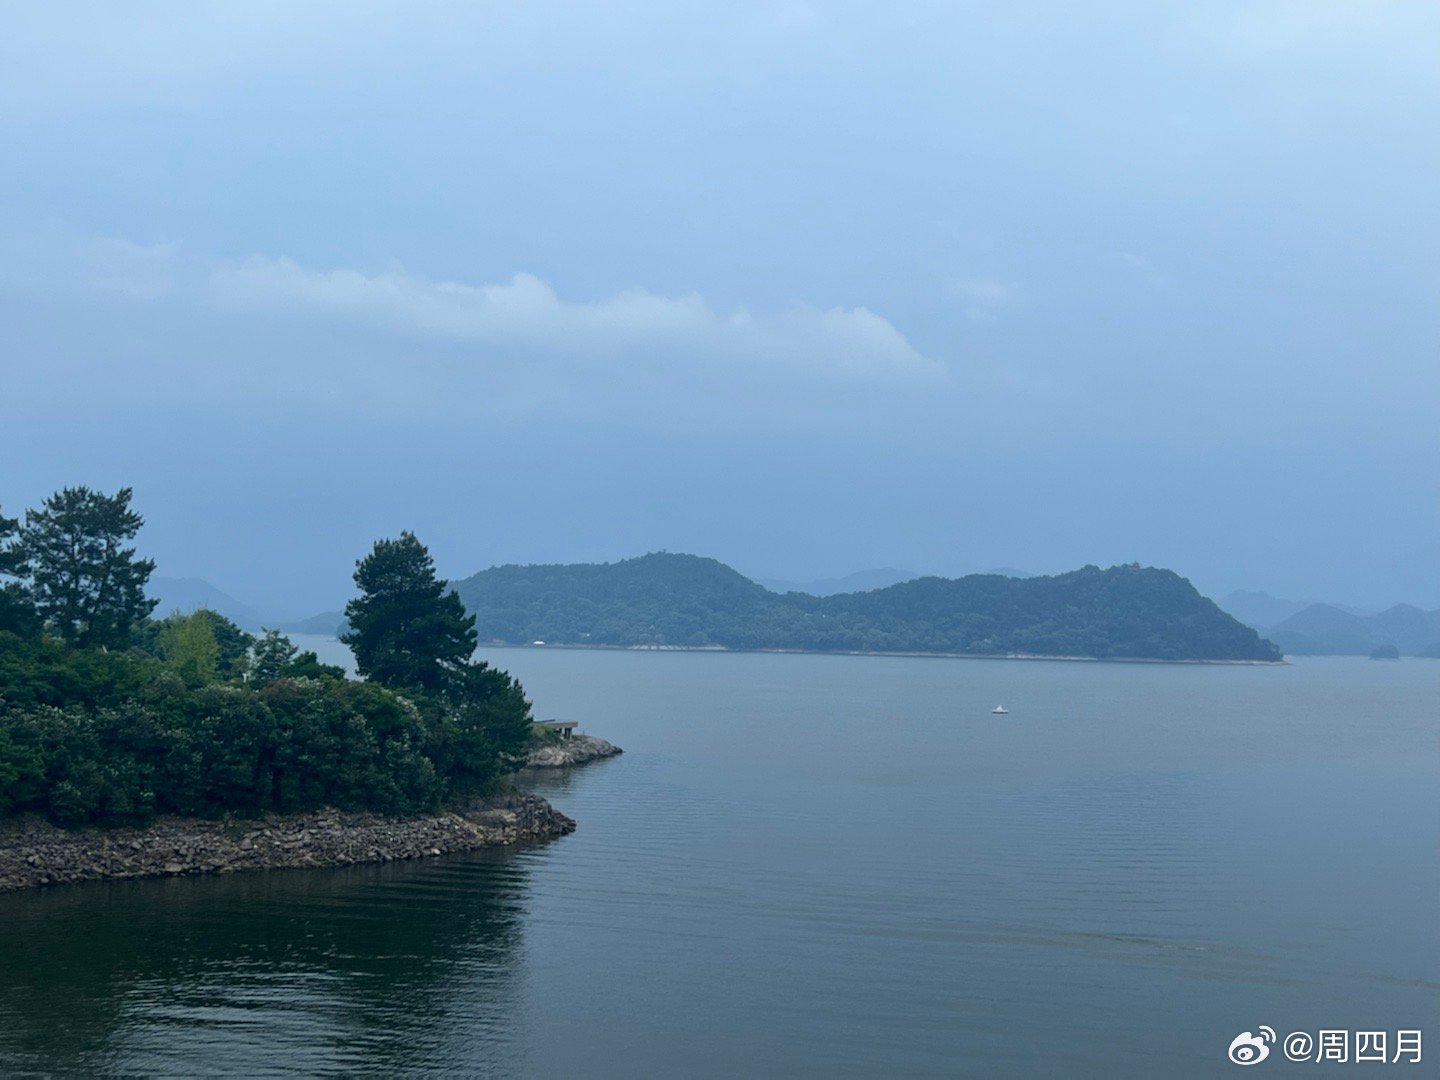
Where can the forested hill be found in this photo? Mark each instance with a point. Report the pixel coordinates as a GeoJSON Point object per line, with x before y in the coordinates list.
{"type": "Point", "coordinates": [663, 599]}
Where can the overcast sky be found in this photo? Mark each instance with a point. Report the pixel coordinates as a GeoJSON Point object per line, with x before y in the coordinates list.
{"type": "Point", "coordinates": [806, 287]}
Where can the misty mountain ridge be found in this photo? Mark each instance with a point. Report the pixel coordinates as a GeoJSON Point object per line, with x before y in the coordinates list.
{"type": "Point", "coordinates": [1297, 627]}
{"type": "Point", "coordinates": [329, 623]}
{"type": "Point", "coordinates": [1260, 609]}
{"type": "Point", "coordinates": [1307, 628]}
{"type": "Point", "coordinates": [1322, 629]}
{"type": "Point", "coordinates": [1263, 611]}
{"type": "Point", "coordinates": [187, 594]}
{"type": "Point", "coordinates": [688, 601]}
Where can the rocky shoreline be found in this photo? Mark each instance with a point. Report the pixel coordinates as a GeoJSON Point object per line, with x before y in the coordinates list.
{"type": "Point", "coordinates": [576, 750]}
{"type": "Point", "coordinates": [35, 852]}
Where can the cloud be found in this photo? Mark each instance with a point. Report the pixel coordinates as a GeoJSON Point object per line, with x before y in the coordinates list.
{"type": "Point", "coordinates": [519, 321]}
{"type": "Point", "coordinates": [527, 313]}
{"type": "Point", "coordinates": [396, 344]}
{"type": "Point", "coordinates": [982, 297]}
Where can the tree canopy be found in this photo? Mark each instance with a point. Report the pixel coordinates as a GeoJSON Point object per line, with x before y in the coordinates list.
{"type": "Point", "coordinates": [110, 717]}
{"type": "Point", "coordinates": [670, 599]}
{"type": "Point", "coordinates": [17, 609]}
{"type": "Point", "coordinates": [409, 632]}
{"type": "Point", "coordinates": [407, 628]}
{"type": "Point", "coordinates": [87, 585]}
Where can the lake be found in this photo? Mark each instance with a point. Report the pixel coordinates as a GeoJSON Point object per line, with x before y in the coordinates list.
{"type": "Point", "coordinates": [820, 866]}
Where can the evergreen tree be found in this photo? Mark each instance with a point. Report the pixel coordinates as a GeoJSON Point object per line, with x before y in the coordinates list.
{"type": "Point", "coordinates": [17, 612]}
{"type": "Point", "coordinates": [485, 729]}
{"type": "Point", "coordinates": [408, 630]}
{"type": "Point", "coordinates": [270, 657]}
{"type": "Point", "coordinates": [87, 585]}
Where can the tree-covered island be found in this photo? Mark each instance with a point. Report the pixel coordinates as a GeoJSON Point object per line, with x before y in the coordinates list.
{"type": "Point", "coordinates": [109, 716]}
{"type": "Point", "coordinates": [663, 599]}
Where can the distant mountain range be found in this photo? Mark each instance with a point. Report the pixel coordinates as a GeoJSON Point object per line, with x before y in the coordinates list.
{"type": "Point", "coordinates": [1329, 629]}
{"type": "Point", "coordinates": [1259, 609]}
{"type": "Point", "coordinates": [1323, 628]}
{"type": "Point", "coordinates": [187, 594]}
{"type": "Point", "coordinates": [329, 623]}
{"type": "Point", "coordinates": [831, 609]}
{"type": "Point", "coordinates": [684, 600]}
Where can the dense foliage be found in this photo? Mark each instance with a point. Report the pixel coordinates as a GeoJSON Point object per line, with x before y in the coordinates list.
{"type": "Point", "coordinates": [192, 715]}
{"type": "Point", "coordinates": [406, 627]}
{"type": "Point", "coordinates": [17, 612]}
{"type": "Point", "coordinates": [663, 599]}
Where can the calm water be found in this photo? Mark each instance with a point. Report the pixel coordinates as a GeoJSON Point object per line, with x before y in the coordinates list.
{"type": "Point", "coordinates": [811, 865]}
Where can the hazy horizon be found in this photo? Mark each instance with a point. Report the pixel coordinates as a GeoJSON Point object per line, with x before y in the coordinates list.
{"type": "Point", "coordinates": [267, 613]}
{"type": "Point", "coordinates": [806, 288]}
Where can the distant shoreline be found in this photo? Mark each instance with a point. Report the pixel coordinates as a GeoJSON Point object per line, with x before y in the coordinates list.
{"type": "Point", "coordinates": [867, 652]}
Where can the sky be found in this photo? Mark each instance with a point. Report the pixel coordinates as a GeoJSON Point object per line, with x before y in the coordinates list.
{"type": "Point", "coordinates": [806, 287]}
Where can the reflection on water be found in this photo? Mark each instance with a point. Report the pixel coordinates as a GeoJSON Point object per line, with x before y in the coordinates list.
{"type": "Point", "coordinates": [385, 967]}
{"type": "Point", "coordinates": [818, 866]}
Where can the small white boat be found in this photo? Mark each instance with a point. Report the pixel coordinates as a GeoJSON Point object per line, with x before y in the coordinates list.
{"type": "Point", "coordinates": [1000, 710]}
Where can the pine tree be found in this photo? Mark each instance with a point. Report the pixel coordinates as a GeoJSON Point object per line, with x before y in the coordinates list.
{"type": "Point", "coordinates": [485, 731]}
{"type": "Point", "coordinates": [87, 585]}
{"type": "Point", "coordinates": [408, 629]}
{"type": "Point", "coordinates": [271, 657]}
{"type": "Point", "coordinates": [17, 612]}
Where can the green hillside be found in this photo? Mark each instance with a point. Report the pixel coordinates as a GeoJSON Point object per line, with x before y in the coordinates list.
{"type": "Point", "coordinates": [664, 599]}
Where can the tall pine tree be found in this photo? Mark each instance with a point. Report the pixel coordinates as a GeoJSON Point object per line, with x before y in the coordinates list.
{"type": "Point", "coordinates": [87, 585]}
{"type": "Point", "coordinates": [408, 630]}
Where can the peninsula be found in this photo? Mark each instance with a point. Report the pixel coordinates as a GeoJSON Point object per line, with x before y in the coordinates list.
{"type": "Point", "coordinates": [131, 746]}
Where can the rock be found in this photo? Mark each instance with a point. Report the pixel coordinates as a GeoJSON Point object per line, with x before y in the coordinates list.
{"type": "Point", "coordinates": [34, 852]}
{"type": "Point", "coordinates": [576, 750]}
{"type": "Point", "coordinates": [494, 818]}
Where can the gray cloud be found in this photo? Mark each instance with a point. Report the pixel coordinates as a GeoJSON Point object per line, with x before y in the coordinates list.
{"type": "Point", "coordinates": [525, 311]}
{"type": "Point", "coordinates": [825, 285]}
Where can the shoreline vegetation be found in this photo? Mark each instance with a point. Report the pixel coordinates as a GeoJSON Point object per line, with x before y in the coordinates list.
{"type": "Point", "coordinates": [131, 746]}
